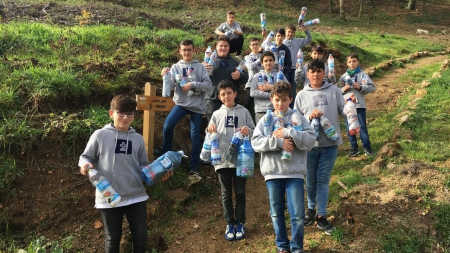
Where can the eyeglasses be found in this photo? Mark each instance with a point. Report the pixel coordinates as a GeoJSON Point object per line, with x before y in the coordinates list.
{"type": "Point", "coordinates": [254, 44]}
{"type": "Point", "coordinates": [187, 50]}
{"type": "Point", "coordinates": [122, 114]}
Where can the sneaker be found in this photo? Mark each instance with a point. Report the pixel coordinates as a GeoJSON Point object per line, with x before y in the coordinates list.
{"type": "Point", "coordinates": [323, 224]}
{"type": "Point", "coordinates": [310, 217]}
{"type": "Point", "coordinates": [283, 251]}
{"type": "Point", "coordinates": [353, 152]}
{"type": "Point", "coordinates": [229, 233]}
{"type": "Point", "coordinates": [240, 231]}
{"type": "Point", "coordinates": [159, 152]}
{"type": "Point", "coordinates": [194, 177]}
{"type": "Point", "coordinates": [369, 153]}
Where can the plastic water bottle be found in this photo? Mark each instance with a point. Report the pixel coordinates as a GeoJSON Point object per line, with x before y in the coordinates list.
{"type": "Point", "coordinates": [104, 187]}
{"type": "Point", "coordinates": [261, 78]}
{"type": "Point", "coordinates": [241, 66]}
{"type": "Point", "coordinates": [286, 155]}
{"type": "Point", "coordinates": [280, 76]}
{"type": "Point", "coordinates": [153, 172]}
{"type": "Point", "coordinates": [245, 165]}
{"type": "Point", "coordinates": [296, 121]}
{"type": "Point", "coordinates": [302, 15]}
{"type": "Point", "coordinates": [300, 58]}
{"type": "Point", "coordinates": [263, 21]}
{"type": "Point", "coordinates": [311, 22]}
{"type": "Point", "coordinates": [279, 121]}
{"type": "Point", "coordinates": [212, 61]}
{"type": "Point", "coordinates": [216, 157]}
{"type": "Point", "coordinates": [205, 155]}
{"type": "Point", "coordinates": [208, 53]}
{"type": "Point", "coordinates": [328, 128]}
{"type": "Point", "coordinates": [234, 145]}
{"type": "Point", "coordinates": [273, 48]}
{"type": "Point", "coordinates": [167, 83]}
{"type": "Point", "coordinates": [192, 79]}
{"type": "Point", "coordinates": [181, 81]}
{"type": "Point", "coordinates": [352, 117]}
{"type": "Point", "coordinates": [349, 81]}
{"type": "Point", "coordinates": [281, 60]}
{"type": "Point", "coordinates": [267, 41]}
{"type": "Point", "coordinates": [331, 64]}
{"type": "Point", "coordinates": [270, 79]}
{"type": "Point", "coordinates": [268, 123]}
{"type": "Point", "coordinates": [315, 123]}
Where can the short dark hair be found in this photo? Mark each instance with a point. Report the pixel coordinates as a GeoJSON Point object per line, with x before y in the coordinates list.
{"type": "Point", "coordinates": [280, 31]}
{"type": "Point", "coordinates": [318, 49]}
{"type": "Point", "coordinates": [316, 64]}
{"type": "Point", "coordinates": [187, 42]}
{"type": "Point", "coordinates": [225, 84]}
{"type": "Point", "coordinates": [281, 89]}
{"type": "Point", "coordinates": [353, 55]}
{"type": "Point", "coordinates": [292, 27]}
{"type": "Point", "coordinates": [223, 38]}
{"type": "Point", "coordinates": [123, 103]}
{"type": "Point", "coordinates": [231, 13]}
{"type": "Point", "coordinates": [267, 53]}
{"type": "Point", "coordinates": [253, 39]}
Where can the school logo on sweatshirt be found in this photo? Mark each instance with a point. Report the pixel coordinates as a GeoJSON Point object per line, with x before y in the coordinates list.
{"type": "Point", "coordinates": [185, 71]}
{"type": "Point", "coordinates": [224, 64]}
{"type": "Point", "coordinates": [320, 100]}
{"type": "Point", "coordinates": [231, 121]}
{"type": "Point", "coordinates": [123, 148]}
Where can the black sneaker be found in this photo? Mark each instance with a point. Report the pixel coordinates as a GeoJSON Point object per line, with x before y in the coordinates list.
{"type": "Point", "coordinates": [353, 152]}
{"type": "Point", "coordinates": [310, 217]}
{"type": "Point", "coordinates": [323, 224]}
{"type": "Point", "coordinates": [158, 152]}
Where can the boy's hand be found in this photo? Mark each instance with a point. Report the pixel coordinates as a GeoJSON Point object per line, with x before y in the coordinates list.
{"type": "Point", "coordinates": [186, 87]}
{"type": "Point", "coordinates": [85, 169]}
{"type": "Point", "coordinates": [244, 130]}
{"type": "Point", "coordinates": [304, 28]}
{"type": "Point", "coordinates": [356, 85]}
{"type": "Point", "coordinates": [353, 97]}
{"type": "Point", "coordinates": [315, 114]}
{"type": "Point", "coordinates": [207, 65]}
{"type": "Point", "coordinates": [167, 175]}
{"type": "Point", "coordinates": [288, 145]}
{"type": "Point", "coordinates": [278, 133]}
{"type": "Point", "coordinates": [164, 71]}
{"type": "Point", "coordinates": [265, 87]}
{"type": "Point", "coordinates": [211, 128]}
{"type": "Point", "coordinates": [236, 74]}
{"type": "Point", "coordinates": [264, 33]}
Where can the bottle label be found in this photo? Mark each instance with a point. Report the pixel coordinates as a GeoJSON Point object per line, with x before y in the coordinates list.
{"type": "Point", "coordinates": [166, 162]}
{"type": "Point", "coordinates": [102, 184]}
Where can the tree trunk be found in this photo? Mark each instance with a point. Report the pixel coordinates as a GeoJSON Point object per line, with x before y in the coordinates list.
{"type": "Point", "coordinates": [411, 5]}
{"type": "Point", "coordinates": [331, 6]}
{"type": "Point", "coordinates": [360, 8]}
{"type": "Point", "coordinates": [341, 10]}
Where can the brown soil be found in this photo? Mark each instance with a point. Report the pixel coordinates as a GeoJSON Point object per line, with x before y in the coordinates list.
{"type": "Point", "coordinates": [55, 201]}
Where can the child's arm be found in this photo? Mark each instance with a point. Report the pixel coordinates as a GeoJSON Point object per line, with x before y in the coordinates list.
{"type": "Point", "coordinates": [89, 156]}
{"type": "Point", "coordinates": [249, 125]}
{"type": "Point", "coordinates": [250, 64]}
{"type": "Point", "coordinates": [203, 83]}
{"type": "Point", "coordinates": [261, 143]}
{"type": "Point", "coordinates": [367, 86]}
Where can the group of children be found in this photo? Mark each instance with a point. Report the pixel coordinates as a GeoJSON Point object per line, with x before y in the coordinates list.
{"type": "Point", "coordinates": [215, 94]}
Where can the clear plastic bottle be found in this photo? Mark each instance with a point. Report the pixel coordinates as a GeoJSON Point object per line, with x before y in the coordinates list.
{"type": "Point", "coordinates": [263, 21]}
{"type": "Point", "coordinates": [300, 58]}
{"type": "Point", "coordinates": [273, 48]}
{"type": "Point", "coordinates": [234, 145]}
{"type": "Point", "coordinates": [261, 78]}
{"type": "Point", "coordinates": [352, 117]}
{"type": "Point", "coordinates": [208, 53]}
{"type": "Point", "coordinates": [241, 66]}
{"type": "Point", "coordinates": [104, 187]}
{"type": "Point", "coordinates": [216, 157]}
{"type": "Point", "coordinates": [153, 172]}
{"type": "Point", "coordinates": [270, 78]}
{"type": "Point", "coordinates": [268, 123]}
{"type": "Point", "coordinates": [205, 155]}
{"type": "Point", "coordinates": [280, 76]}
{"type": "Point", "coordinates": [181, 81]}
{"type": "Point", "coordinates": [278, 121]}
{"type": "Point", "coordinates": [267, 41]}
{"type": "Point", "coordinates": [302, 15]}
{"type": "Point", "coordinates": [281, 60]}
{"type": "Point", "coordinates": [167, 83]}
{"type": "Point", "coordinates": [245, 165]}
{"type": "Point", "coordinates": [212, 62]}
{"type": "Point", "coordinates": [311, 22]}
{"type": "Point", "coordinates": [296, 121]}
{"type": "Point", "coordinates": [328, 128]}
{"type": "Point", "coordinates": [192, 79]}
{"type": "Point", "coordinates": [349, 81]}
{"type": "Point", "coordinates": [331, 64]}
{"type": "Point", "coordinates": [286, 155]}
{"type": "Point", "coordinates": [315, 123]}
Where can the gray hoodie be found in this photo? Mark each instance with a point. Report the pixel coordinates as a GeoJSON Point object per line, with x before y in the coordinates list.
{"type": "Point", "coordinates": [367, 86]}
{"type": "Point", "coordinates": [195, 103]}
{"type": "Point", "coordinates": [262, 98]}
{"type": "Point", "coordinates": [118, 156]}
{"type": "Point", "coordinates": [302, 79]}
{"type": "Point", "coordinates": [271, 165]}
{"type": "Point", "coordinates": [227, 120]}
{"type": "Point", "coordinates": [329, 100]}
{"type": "Point", "coordinates": [295, 44]}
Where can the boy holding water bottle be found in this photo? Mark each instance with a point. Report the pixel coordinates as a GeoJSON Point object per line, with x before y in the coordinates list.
{"type": "Point", "coordinates": [226, 121]}
{"type": "Point", "coordinates": [232, 29]}
{"type": "Point", "coordinates": [301, 77]}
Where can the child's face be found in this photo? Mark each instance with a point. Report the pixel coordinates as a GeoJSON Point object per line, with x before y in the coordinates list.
{"type": "Point", "coordinates": [280, 103]}
{"type": "Point", "coordinates": [279, 39]}
{"type": "Point", "coordinates": [222, 48]}
{"type": "Point", "coordinates": [227, 96]}
{"type": "Point", "coordinates": [316, 55]}
{"type": "Point", "coordinates": [230, 19]}
{"type": "Point", "coordinates": [122, 120]}
{"type": "Point", "coordinates": [268, 63]}
{"type": "Point", "coordinates": [290, 34]}
{"type": "Point", "coordinates": [186, 52]}
{"type": "Point", "coordinates": [254, 46]}
{"type": "Point", "coordinates": [352, 63]}
{"type": "Point", "coordinates": [316, 76]}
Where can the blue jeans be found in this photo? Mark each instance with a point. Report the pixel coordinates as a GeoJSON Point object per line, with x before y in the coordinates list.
{"type": "Point", "coordinates": [228, 180]}
{"type": "Point", "coordinates": [175, 115]}
{"type": "Point", "coordinates": [290, 78]}
{"type": "Point", "coordinates": [293, 188]}
{"type": "Point", "coordinates": [363, 134]}
{"type": "Point", "coordinates": [137, 219]}
{"type": "Point", "coordinates": [319, 167]}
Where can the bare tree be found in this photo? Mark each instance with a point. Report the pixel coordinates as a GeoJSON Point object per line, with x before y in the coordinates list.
{"type": "Point", "coordinates": [411, 5]}
{"type": "Point", "coordinates": [341, 10]}
{"type": "Point", "coordinates": [331, 6]}
{"type": "Point", "coordinates": [360, 8]}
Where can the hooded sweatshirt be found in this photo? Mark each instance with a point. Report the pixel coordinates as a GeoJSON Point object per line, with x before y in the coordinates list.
{"type": "Point", "coordinates": [195, 103]}
{"type": "Point", "coordinates": [222, 71]}
{"type": "Point", "coordinates": [329, 100]}
{"type": "Point", "coordinates": [271, 165]}
{"type": "Point", "coordinates": [227, 121]}
{"type": "Point", "coordinates": [367, 86]}
{"type": "Point", "coordinates": [295, 44]}
{"type": "Point", "coordinates": [118, 156]}
{"type": "Point", "coordinates": [262, 98]}
{"type": "Point", "coordinates": [302, 79]}
{"type": "Point", "coordinates": [253, 65]}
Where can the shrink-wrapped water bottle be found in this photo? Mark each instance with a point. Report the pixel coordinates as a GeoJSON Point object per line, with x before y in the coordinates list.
{"type": "Point", "coordinates": [232, 148]}
{"type": "Point", "coordinates": [315, 123]}
{"type": "Point", "coordinates": [302, 15]}
{"type": "Point", "coordinates": [216, 157]}
{"type": "Point", "coordinates": [167, 83]}
{"type": "Point", "coordinates": [153, 172]}
{"type": "Point", "coordinates": [104, 187]}
{"type": "Point", "coordinates": [331, 64]}
{"type": "Point", "coordinates": [205, 155]}
{"type": "Point", "coordinates": [241, 66]}
{"type": "Point", "coordinates": [352, 117]}
{"type": "Point", "coordinates": [208, 53]}
{"type": "Point", "coordinates": [311, 22]}
{"type": "Point", "coordinates": [245, 165]}
{"type": "Point", "coordinates": [328, 128]}
{"type": "Point", "coordinates": [268, 123]}
{"type": "Point", "coordinates": [296, 121]}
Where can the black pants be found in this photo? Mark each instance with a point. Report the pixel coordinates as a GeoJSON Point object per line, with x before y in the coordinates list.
{"type": "Point", "coordinates": [237, 44]}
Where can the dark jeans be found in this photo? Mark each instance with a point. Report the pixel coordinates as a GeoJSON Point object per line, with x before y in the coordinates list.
{"type": "Point", "coordinates": [137, 219]}
{"type": "Point", "coordinates": [363, 134]}
{"type": "Point", "coordinates": [236, 45]}
{"type": "Point", "coordinates": [290, 78]}
{"type": "Point", "coordinates": [228, 180]}
{"type": "Point", "coordinates": [211, 107]}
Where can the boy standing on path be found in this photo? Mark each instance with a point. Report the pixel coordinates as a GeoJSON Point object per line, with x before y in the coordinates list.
{"type": "Point", "coordinates": [285, 178]}
{"type": "Point", "coordinates": [232, 29]}
{"type": "Point", "coordinates": [226, 121]}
